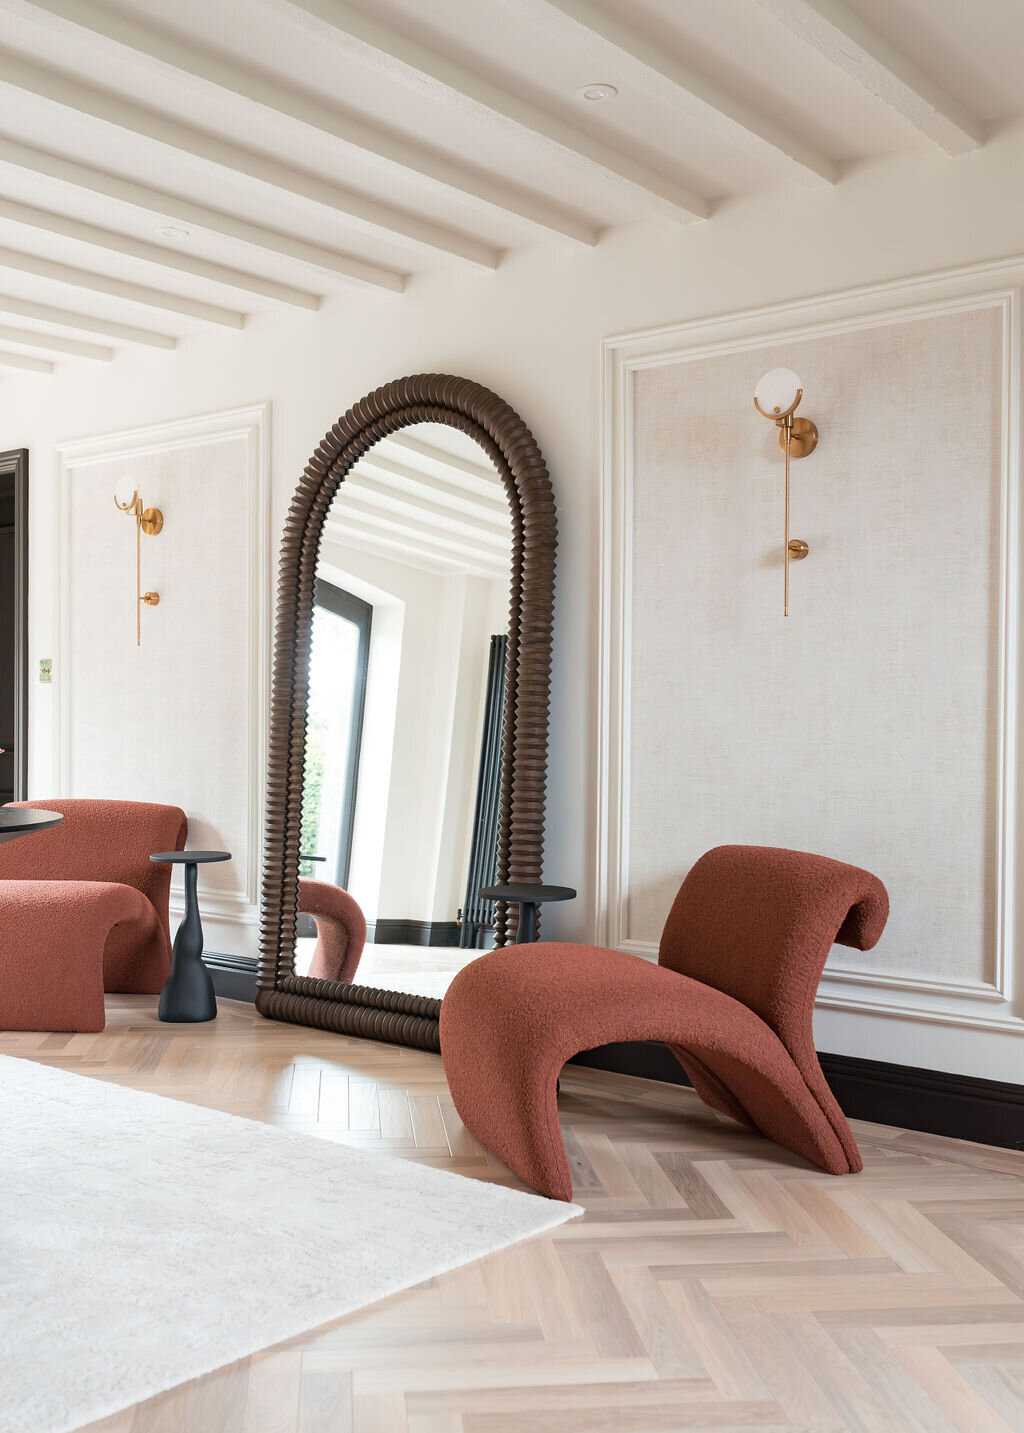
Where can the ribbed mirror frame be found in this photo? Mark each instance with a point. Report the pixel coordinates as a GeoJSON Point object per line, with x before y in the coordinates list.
{"type": "Point", "coordinates": [423, 398]}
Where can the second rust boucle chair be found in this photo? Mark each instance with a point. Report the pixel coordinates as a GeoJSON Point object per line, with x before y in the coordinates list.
{"type": "Point", "coordinates": [340, 930]}
{"type": "Point", "coordinates": [83, 910]}
{"type": "Point", "coordinates": [732, 996]}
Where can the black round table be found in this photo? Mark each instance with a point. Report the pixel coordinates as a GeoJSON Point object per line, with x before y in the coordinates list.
{"type": "Point", "coordinates": [18, 821]}
{"type": "Point", "coordinates": [188, 996]}
{"type": "Point", "coordinates": [527, 898]}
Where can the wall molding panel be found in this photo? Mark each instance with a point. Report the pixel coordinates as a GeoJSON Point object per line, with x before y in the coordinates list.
{"type": "Point", "coordinates": [240, 439]}
{"type": "Point", "coordinates": [989, 1002]}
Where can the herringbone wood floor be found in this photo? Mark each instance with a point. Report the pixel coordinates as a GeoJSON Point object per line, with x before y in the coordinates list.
{"type": "Point", "coordinates": [717, 1282]}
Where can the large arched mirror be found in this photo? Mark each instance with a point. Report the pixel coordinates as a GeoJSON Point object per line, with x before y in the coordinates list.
{"type": "Point", "coordinates": [408, 734]}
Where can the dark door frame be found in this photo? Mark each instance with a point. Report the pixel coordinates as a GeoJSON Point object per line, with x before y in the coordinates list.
{"type": "Point", "coordinates": [14, 463]}
{"type": "Point", "coordinates": [344, 604]}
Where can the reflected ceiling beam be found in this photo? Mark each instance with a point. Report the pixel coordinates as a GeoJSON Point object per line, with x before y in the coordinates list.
{"type": "Point", "coordinates": [118, 288]}
{"type": "Point", "coordinates": [853, 46]}
{"type": "Point", "coordinates": [412, 549]}
{"type": "Point", "coordinates": [392, 152]}
{"type": "Point", "coordinates": [66, 228]}
{"type": "Point", "coordinates": [88, 322]}
{"type": "Point", "coordinates": [398, 478]}
{"type": "Point", "coordinates": [419, 514]}
{"type": "Point", "coordinates": [448, 80]}
{"type": "Point", "coordinates": [170, 207]}
{"type": "Point", "coordinates": [482, 472]}
{"type": "Point", "coordinates": [353, 209]}
{"type": "Point", "coordinates": [415, 525]}
{"type": "Point", "coordinates": [50, 343]}
{"type": "Point", "coordinates": [663, 76]}
{"type": "Point", "coordinates": [22, 360]}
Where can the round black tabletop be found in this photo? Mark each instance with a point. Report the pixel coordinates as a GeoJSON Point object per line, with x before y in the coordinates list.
{"type": "Point", "coordinates": [18, 821]}
{"type": "Point", "coordinates": [190, 858]}
{"type": "Point", "coordinates": [523, 892]}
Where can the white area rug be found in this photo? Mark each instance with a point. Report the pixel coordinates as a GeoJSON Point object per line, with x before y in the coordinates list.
{"type": "Point", "coordinates": [144, 1242]}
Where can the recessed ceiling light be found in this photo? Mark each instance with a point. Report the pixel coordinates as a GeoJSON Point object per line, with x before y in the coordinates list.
{"type": "Point", "coordinates": [597, 92]}
{"type": "Point", "coordinates": [171, 233]}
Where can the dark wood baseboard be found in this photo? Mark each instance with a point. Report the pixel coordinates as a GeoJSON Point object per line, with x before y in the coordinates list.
{"type": "Point", "coordinates": [961, 1106]}
{"type": "Point", "coordinates": [404, 932]}
{"type": "Point", "coordinates": [409, 932]}
{"type": "Point", "coordinates": [234, 976]}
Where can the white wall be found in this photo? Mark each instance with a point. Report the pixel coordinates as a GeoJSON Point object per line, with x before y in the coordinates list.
{"type": "Point", "coordinates": [532, 331]}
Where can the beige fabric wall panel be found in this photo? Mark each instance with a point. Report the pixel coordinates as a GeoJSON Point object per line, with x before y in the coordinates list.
{"type": "Point", "coordinates": [178, 719]}
{"type": "Point", "coordinates": [877, 723]}
{"type": "Point", "coordinates": [863, 726]}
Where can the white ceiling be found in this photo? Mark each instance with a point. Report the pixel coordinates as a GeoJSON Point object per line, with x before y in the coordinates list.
{"type": "Point", "coordinates": [307, 145]}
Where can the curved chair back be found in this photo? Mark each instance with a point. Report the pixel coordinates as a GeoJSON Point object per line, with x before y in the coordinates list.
{"type": "Point", "coordinates": [101, 841]}
{"type": "Point", "coordinates": [758, 923]}
{"type": "Point", "coordinates": [340, 929]}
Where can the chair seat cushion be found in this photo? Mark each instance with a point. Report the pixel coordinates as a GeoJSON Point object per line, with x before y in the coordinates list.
{"type": "Point", "coordinates": [512, 1018]}
{"type": "Point", "coordinates": [55, 939]}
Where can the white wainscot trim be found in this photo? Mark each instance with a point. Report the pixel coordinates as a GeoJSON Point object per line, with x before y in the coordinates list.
{"type": "Point", "coordinates": [981, 1005]}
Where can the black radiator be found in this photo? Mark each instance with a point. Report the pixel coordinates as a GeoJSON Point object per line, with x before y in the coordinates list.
{"type": "Point", "coordinates": [477, 915]}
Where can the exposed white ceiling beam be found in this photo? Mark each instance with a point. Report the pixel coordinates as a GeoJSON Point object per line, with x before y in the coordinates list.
{"type": "Point", "coordinates": [50, 343]}
{"type": "Point", "coordinates": [88, 322]}
{"type": "Point", "coordinates": [22, 360]}
{"type": "Point", "coordinates": [355, 210]}
{"type": "Point", "coordinates": [392, 152]}
{"type": "Point", "coordinates": [169, 206]}
{"type": "Point", "coordinates": [664, 76]}
{"type": "Point", "coordinates": [66, 228]}
{"type": "Point", "coordinates": [448, 80]}
{"type": "Point", "coordinates": [848, 42]}
{"type": "Point", "coordinates": [118, 288]}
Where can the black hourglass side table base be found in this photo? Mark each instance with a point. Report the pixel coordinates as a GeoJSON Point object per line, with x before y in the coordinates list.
{"type": "Point", "coordinates": [188, 996]}
{"type": "Point", "coordinates": [527, 898]}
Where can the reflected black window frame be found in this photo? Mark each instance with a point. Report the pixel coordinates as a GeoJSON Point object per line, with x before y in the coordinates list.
{"type": "Point", "coordinates": [353, 609]}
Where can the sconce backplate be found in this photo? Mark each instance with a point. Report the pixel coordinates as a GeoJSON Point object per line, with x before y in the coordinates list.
{"type": "Point", "coordinates": [152, 521]}
{"type": "Point", "coordinates": [804, 438]}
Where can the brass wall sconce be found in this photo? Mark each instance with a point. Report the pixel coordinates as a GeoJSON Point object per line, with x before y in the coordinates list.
{"type": "Point", "coordinates": [777, 396]}
{"type": "Point", "coordinates": [149, 521]}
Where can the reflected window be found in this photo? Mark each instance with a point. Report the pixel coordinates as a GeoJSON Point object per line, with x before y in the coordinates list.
{"type": "Point", "coordinates": [337, 697]}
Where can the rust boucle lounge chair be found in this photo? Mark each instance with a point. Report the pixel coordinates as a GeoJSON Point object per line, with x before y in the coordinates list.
{"type": "Point", "coordinates": [83, 910]}
{"type": "Point", "coordinates": [732, 996]}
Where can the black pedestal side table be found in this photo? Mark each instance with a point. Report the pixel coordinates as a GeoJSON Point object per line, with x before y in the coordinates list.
{"type": "Point", "coordinates": [188, 996]}
{"type": "Point", "coordinates": [18, 821]}
{"type": "Point", "coordinates": [527, 898]}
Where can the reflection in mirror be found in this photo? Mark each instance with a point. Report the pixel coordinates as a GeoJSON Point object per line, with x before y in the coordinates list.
{"type": "Point", "coordinates": [402, 780]}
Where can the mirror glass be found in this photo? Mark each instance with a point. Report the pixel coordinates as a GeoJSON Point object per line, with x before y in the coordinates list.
{"type": "Point", "coordinates": [403, 770]}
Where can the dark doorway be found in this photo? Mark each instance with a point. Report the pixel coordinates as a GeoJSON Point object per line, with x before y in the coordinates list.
{"type": "Point", "coordinates": [14, 625]}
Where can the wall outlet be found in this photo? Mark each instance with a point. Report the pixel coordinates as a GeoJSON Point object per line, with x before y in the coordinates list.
{"type": "Point", "coordinates": [46, 669]}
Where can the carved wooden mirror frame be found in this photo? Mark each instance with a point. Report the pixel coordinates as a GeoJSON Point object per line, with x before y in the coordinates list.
{"type": "Point", "coordinates": [459, 403]}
